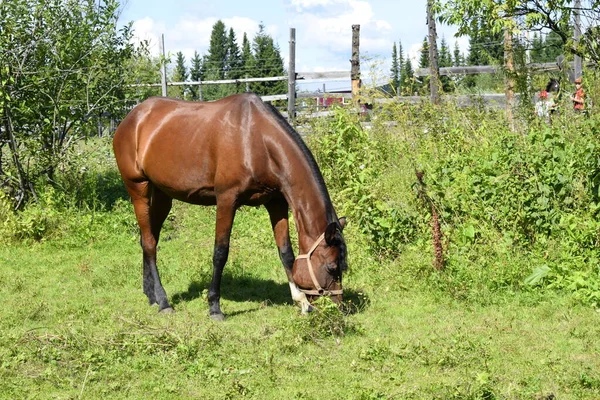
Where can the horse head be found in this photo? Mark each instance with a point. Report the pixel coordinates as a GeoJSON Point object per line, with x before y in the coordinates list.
{"type": "Point", "coordinates": [319, 271]}
{"type": "Point", "coordinates": [553, 85]}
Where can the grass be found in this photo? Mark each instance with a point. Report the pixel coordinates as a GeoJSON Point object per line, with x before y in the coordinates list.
{"type": "Point", "coordinates": [75, 324]}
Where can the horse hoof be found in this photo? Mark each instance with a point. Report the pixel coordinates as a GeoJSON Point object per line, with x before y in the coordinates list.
{"type": "Point", "coordinates": [167, 310]}
{"type": "Point", "coordinates": [217, 317]}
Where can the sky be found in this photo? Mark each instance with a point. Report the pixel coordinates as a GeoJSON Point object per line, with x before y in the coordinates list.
{"type": "Point", "coordinates": [323, 29]}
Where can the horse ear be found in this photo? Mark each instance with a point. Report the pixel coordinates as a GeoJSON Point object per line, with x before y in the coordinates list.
{"type": "Point", "coordinates": [342, 222]}
{"type": "Point", "coordinates": [330, 232]}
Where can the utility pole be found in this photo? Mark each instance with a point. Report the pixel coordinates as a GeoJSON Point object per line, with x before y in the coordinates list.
{"type": "Point", "coordinates": [292, 77]}
{"type": "Point", "coordinates": [434, 77]}
{"type": "Point", "coordinates": [355, 63]}
{"type": "Point", "coordinates": [576, 37]}
{"type": "Point", "coordinates": [163, 66]}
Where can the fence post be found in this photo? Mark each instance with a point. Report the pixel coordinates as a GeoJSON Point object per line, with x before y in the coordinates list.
{"type": "Point", "coordinates": [292, 77]}
{"type": "Point", "coordinates": [163, 66]}
{"type": "Point", "coordinates": [355, 63]}
{"type": "Point", "coordinates": [434, 76]}
{"type": "Point", "coordinates": [576, 37]}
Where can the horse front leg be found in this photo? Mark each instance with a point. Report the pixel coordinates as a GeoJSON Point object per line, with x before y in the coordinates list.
{"type": "Point", "coordinates": [225, 216]}
{"type": "Point", "coordinates": [279, 215]}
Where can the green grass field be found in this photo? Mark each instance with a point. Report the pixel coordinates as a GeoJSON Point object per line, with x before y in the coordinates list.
{"type": "Point", "coordinates": [75, 324]}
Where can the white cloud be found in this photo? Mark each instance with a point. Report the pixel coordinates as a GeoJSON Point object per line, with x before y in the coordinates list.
{"type": "Point", "coordinates": [147, 30]}
{"type": "Point", "coordinates": [326, 25]}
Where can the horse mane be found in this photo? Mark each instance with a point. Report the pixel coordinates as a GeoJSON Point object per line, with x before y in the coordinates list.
{"type": "Point", "coordinates": [331, 217]}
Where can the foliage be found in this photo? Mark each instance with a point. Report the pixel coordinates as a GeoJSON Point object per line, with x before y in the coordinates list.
{"type": "Point", "coordinates": [395, 68]}
{"type": "Point", "coordinates": [180, 74]}
{"type": "Point", "coordinates": [196, 74]}
{"type": "Point", "coordinates": [415, 332]}
{"type": "Point", "coordinates": [350, 162]}
{"type": "Point", "coordinates": [63, 64]}
{"type": "Point", "coordinates": [496, 15]}
{"type": "Point", "coordinates": [267, 63]}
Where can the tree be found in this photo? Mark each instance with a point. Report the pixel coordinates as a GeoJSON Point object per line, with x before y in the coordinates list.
{"type": "Point", "coordinates": [234, 67]}
{"type": "Point", "coordinates": [407, 78]}
{"type": "Point", "coordinates": [196, 75]}
{"type": "Point", "coordinates": [268, 63]}
{"type": "Point", "coordinates": [495, 16]}
{"type": "Point", "coordinates": [179, 75]}
{"type": "Point", "coordinates": [445, 60]}
{"type": "Point", "coordinates": [247, 57]}
{"type": "Point", "coordinates": [400, 61]}
{"type": "Point", "coordinates": [215, 62]}
{"type": "Point", "coordinates": [395, 69]}
{"type": "Point", "coordinates": [62, 64]}
{"type": "Point", "coordinates": [424, 63]}
{"type": "Point", "coordinates": [234, 57]}
{"type": "Point", "coordinates": [457, 59]}
{"type": "Point", "coordinates": [537, 49]}
{"type": "Point", "coordinates": [424, 58]}
{"type": "Point", "coordinates": [216, 59]}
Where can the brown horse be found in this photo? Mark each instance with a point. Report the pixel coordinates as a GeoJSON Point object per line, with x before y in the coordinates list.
{"type": "Point", "coordinates": [232, 152]}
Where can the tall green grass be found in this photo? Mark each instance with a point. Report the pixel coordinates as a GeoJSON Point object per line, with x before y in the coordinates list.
{"type": "Point", "coordinates": [512, 315]}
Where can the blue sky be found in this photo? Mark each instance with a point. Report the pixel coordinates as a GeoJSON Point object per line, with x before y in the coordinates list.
{"type": "Point", "coordinates": [323, 28]}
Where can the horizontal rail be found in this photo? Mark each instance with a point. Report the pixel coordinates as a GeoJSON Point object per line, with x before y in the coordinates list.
{"type": "Point", "coordinates": [490, 69]}
{"type": "Point", "coordinates": [224, 81]}
{"type": "Point", "coordinates": [331, 75]}
{"type": "Point", "coordinates": [274, 97]}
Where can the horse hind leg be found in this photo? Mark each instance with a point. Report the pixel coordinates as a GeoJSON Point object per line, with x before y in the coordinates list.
{"type": "Point", "coordinates": [151, 207]}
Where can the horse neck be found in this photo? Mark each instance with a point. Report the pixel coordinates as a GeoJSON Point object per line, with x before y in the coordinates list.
{"type": "Point", "coordinates": [310, 205]}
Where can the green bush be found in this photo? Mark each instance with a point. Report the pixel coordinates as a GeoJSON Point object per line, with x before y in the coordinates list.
{"type": "Point", "coordinates": [517, 209]}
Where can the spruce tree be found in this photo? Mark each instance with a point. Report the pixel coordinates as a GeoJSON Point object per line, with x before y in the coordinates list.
{"type": "Point", "coordinates": [179, 75]}
{"type": "Point", "coordinates": [407, 78]}
{"type": "Point", "coordinates": [475, 56]}
{"type": "Point", "coordinates": [445, 60]}
{"type": "Point", "coordinates": [247, 58]}
{"type": "Point", "coordinates": [268, 64]}
{"type": "Point", "coordinates": [215, 62]}
{"type": "Point", "coordinates": [195, 75]}
{"type": "Point", "coordinates": [400, 67]}
{"type": "Point", "coordinates": [424, 63]}
{"type": "Point", "coordinates": [457, 60]}
{"type": "Point", "coordinates": [234, 57]}
{"type": "Point", "coordinates": [424, 59]}
{"type": "Point", "coordinates": [395, 70]}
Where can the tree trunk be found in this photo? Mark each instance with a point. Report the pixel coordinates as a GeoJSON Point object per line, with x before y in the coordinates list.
{"type": "Point", "coordinates": [23, 192]}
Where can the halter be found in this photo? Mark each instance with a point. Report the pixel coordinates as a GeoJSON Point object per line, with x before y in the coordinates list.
{"type": "Point", "coordinates": [318, 291]}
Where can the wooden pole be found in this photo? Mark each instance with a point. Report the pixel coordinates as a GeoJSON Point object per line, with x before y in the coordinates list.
{"type": "Point", "coordinates": [355, 63]}
{"type": "Point", "coordinates": [509, 81]}
{"type": "Point", "coordinates": [576, 37]}
{"type": "Point", "coordinates": [434, 77]}
{"type": "Point", "coordinates": [292, 77]}
{"type": "Point", "coordinates": [163, 67]}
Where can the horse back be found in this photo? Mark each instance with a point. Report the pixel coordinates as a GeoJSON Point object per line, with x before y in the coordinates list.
{"type": "Point", "coordinates": [195, 150]}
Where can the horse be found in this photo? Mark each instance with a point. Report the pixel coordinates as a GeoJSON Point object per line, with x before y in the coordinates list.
{"type": "Point", "coordinates": [228, 153]}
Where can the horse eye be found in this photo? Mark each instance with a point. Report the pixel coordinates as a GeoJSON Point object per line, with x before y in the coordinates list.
{"type": "Point", "coordinates": [331, 268]}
